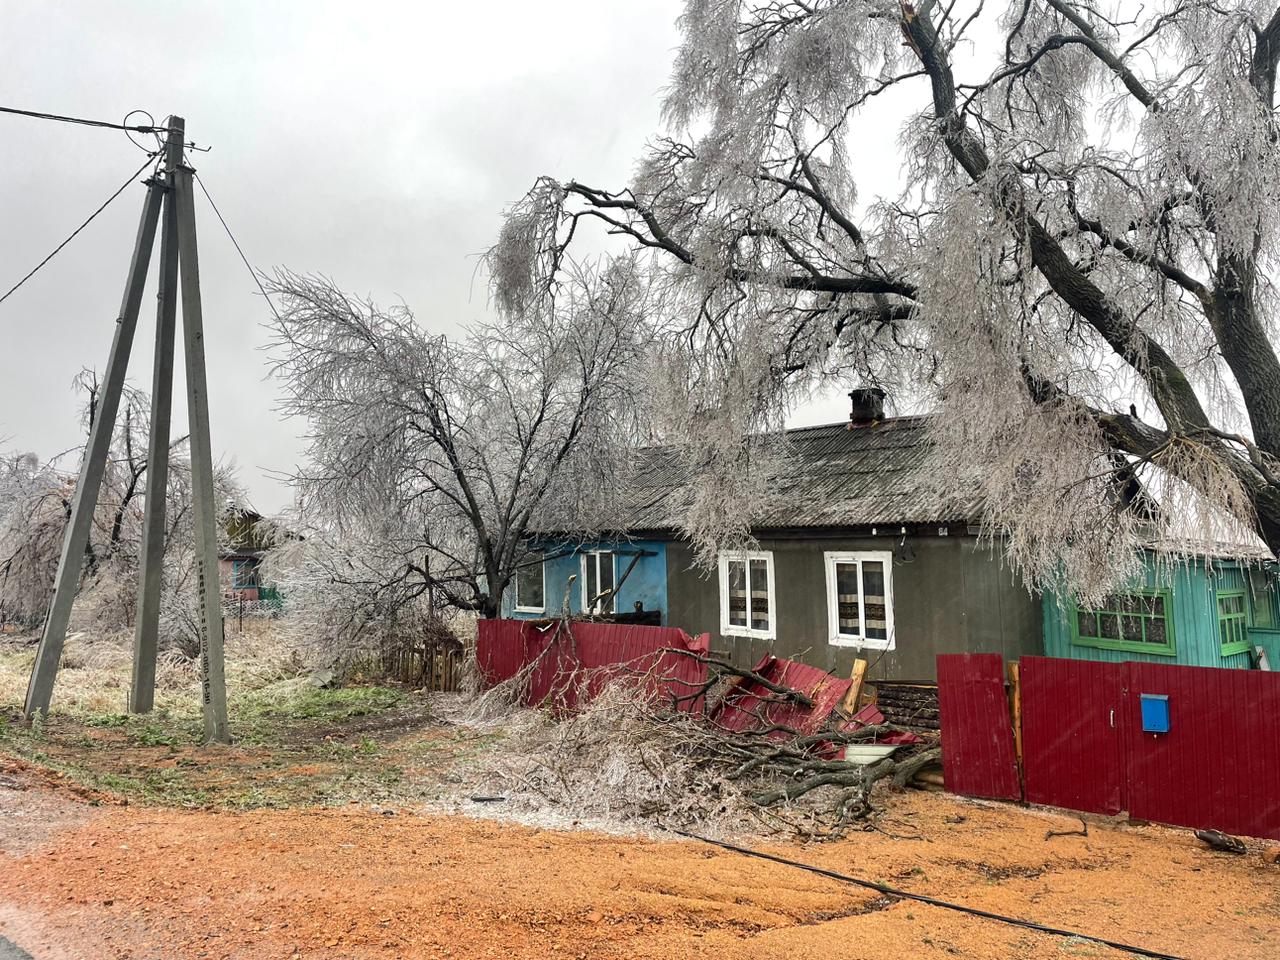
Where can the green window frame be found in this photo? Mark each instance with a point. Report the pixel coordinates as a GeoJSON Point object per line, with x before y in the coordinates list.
{"type": "Point", "coordinates": [244, 574]}
{"type": "Point", "coordinates": [1233, 621]}
{"type": "Point", "coordinates": [1137, 621]}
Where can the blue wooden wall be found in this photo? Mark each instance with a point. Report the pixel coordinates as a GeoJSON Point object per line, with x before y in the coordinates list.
{"type": "Point", "coordinates": [646, 583]}
{"type": "Point", "coordinates": [1193, 586]}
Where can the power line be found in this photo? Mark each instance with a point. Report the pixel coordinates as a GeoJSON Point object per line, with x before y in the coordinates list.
{"type": "Point", "coordinates": [889, 891]}
{"type": "Point", "coordinates": [38, 115]}
{"type": "Point", "coordinates": [236, 244]}
{"type": "Point", "coordinates": [133, 176]}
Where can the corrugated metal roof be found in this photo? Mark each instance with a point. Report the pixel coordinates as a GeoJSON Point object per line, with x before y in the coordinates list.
{"type": "Point", "coordinates": [835, 477]}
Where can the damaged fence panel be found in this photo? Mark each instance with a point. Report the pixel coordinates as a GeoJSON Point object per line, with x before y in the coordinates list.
{"type": "Point", "coordinates": [570, 662]}
{"type": "Point", "coordinates": [978, 757]}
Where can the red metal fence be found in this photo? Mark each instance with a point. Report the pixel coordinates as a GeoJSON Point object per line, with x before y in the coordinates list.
{"type": "Point", "coordinates": [1219, 764]}
{"type": "Point", "coordinates": [1084, 746]}
{"type": "Point", "coordinates": [978, 757]}
{"type": "Point", "coordinates": [570, 664]}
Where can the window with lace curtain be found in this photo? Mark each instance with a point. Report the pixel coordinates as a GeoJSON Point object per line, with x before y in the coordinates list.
{"type": "Point", "coordinates": [860, 598]}
{"type": "Point", "coordinates": [747, 606]}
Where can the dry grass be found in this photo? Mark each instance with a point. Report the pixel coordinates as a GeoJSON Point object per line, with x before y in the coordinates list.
{"type": "Point", "coordinates": [294, 743]}
{"type": "Point", "coordinates": [93, 679]}
{"type": "Point", "coordinates": [626, 763]}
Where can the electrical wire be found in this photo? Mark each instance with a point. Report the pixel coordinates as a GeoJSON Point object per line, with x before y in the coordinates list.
{"type": "Point", "coordinates": [889, 891]}
{"type": "Point", "coordinates": [154, 132]}
{"type": "Point", "coordinates": [236, 244]}
{"type": "Point", "coordinates": [38, 115]}
{"type": "Point", "coordinates": [133, 176]}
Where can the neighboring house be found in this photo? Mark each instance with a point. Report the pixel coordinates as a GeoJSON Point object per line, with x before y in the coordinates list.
{"type": "Point", "coordinates": [240, 560]}
{"type": "Point", "coordinates": [862, 559]}
{"type": "Point", "coordinates": [1218, 609]}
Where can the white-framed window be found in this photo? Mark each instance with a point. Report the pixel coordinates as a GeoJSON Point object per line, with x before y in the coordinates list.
{"type": "Point", "coordinates": [860, 598]}
{"type": "Point", "coordinates": [531, 586]}
{"type": "Point", "coordinates": [747, 607]}
{"type": "Point", "coordinates": [597, 582]}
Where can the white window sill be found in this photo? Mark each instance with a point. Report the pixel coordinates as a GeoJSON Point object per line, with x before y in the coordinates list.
{"type": "Point", "coordinates": [860, 643]}
{"type": "Point", "coordinates": [531, 609]}
{"type": "Point", "coordinates": [748, 633]}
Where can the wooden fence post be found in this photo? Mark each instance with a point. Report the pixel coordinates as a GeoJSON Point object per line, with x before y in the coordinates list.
{"type": "Point", "coordinates": [1015, 708]}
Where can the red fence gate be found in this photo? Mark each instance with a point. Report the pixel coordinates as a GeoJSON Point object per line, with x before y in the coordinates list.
{"type": "Point", "coordinates": [978, 758]}
{"type": "Point", "coordinates": [1217, 766]}
{"type": "Point", "coordinates": [1072, 744]}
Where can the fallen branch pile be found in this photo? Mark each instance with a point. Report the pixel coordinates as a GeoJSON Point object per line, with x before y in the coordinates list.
{"type": "Point", "coordinates": [632, 756]}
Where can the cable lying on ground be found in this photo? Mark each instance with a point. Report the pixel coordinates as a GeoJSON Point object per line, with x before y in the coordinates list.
{"type": "Point", "coordinates": [889, 891]}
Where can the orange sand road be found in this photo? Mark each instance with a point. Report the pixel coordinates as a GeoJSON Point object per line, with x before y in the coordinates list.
{"type": "Point", "coordinates": [116, 881]}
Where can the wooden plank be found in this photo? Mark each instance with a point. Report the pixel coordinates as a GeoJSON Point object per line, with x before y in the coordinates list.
{"type": "Point", "coordinates": [1015, 706]}
{"type": "Point", "coordinates": [850, 703]}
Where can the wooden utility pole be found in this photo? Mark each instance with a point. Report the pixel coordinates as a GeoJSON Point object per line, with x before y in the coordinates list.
{"type": "Point", "coordinates": [179, 270]}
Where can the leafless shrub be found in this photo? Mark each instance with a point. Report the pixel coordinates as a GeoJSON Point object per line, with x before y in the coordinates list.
{"type": "Point", "coordinates": [35, 507]}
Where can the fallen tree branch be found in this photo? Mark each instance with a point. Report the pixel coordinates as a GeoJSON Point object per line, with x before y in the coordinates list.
{"type": "Point", "coordinates": [723, 667]}
{"type": "Point", "coordinates": [628, 755]}
{"type": "Point", "coordinates": [908, 768]}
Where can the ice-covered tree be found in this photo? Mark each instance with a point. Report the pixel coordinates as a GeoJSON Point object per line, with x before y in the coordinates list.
{"type": "Point", "coordinates": [1073, 269]}
{"type": "Point", "coordinates": [35, 506]}
{"type": "Point", "coordinates": [34, 500]}
{"type": "Point", "coordinates": [430, 459]}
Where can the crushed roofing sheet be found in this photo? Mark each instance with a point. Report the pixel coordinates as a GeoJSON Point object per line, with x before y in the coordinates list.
{"type": "Point", "coordinates": [749, 706]}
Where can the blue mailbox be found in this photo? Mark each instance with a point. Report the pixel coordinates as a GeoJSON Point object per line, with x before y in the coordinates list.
{"type": "Point", "coordinates": [1155, 712]}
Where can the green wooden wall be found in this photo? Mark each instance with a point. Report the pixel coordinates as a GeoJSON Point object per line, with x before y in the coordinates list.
{"type": "Point", "coordinates": [1193, 587]}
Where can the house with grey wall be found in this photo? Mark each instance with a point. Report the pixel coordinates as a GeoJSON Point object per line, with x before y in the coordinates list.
{"type": "Point", "coordinates": [862, 557]}
{"type": "Point", "coordinates": [859, 559]}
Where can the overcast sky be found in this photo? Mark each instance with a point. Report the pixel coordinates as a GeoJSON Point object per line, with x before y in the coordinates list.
{"type": "Point", "coordinates": [373, 142]}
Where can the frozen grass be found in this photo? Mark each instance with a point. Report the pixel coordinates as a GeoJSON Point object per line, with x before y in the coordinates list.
{"type": "Point", "coordinates": [295, 743]}
{"type": "Point", "coordinates": [93, 680]}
